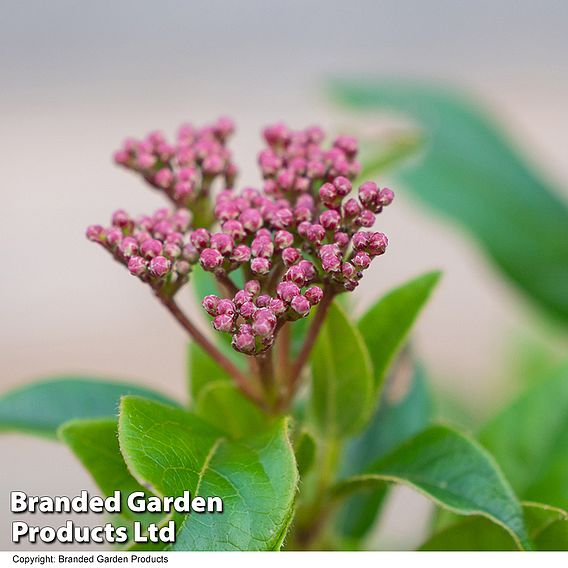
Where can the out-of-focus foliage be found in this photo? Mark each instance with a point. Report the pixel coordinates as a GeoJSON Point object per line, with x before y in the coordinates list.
{"type": "Point", "coordinates": [471, 173]}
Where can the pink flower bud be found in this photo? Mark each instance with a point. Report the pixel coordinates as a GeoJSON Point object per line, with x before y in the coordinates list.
{"type": "Point", "coordinates": [369, 194]}
{"type": "Point", "coordinates": [314, 295]}
{"type": "Point", "coordinates": [361, 260]}
{"type": "Point", "coordinates": [213, 165]}
{"type": "Point", "coordinates": [360, 240]}
{"type": "Point", "coordinates": [241, 297]}
{"type": "Point", "coordinates": [251, 220]}
{"type": "Point", "coordinates": [290, 256]}
{"type": "Point", "coordinates": [341, 239]}
{"type": "Point", "coordinates": [296, 275]}
{"type": "Point", "coordinates": [269, 162]}
{"type": "Point", "coordinates": [247, 310]}
{"type": "Point", "coordinates": [285, 180]}
{"type": "Point", "coordinates": [264, 322]}
{"type": "Point", "coordinates": [330, 220]}
{"type": "Point", "coordinates": [235, 229]}
{"type": "Point", "coordinates": [328, 194]}
{"type": "Point", "coordinates": [137, 265]}
{"type": "Point", "coordinates": [244, 342]}
{"type": "Point", "coordinates": [210, 259]}
{"type": "Point", "coordinates": [348, 270]}
{"type": "Point", "coordinates": [262, 246]}
{"type": "Point", "coordinates": [253, 287]}
{"type": "Point", "coordinates": [200, 238]}
{"type": "Point", "coordinates": [241, 254]}
{"type": "Point", "coordinates": [342, 185]}
{"type": "Point", "coordinates": [171, 251]}
{"type": "Point", "coordinates": [96, 233]}
{"type": "Point", "coordinates": [223, 322]}
{"type": "Point", "coordinates": [222, 242]}
{"type": "Point", "coordinates": [330, 256]}
{"type": "Point", "coordinates": [377, 243]}
{"type": "Point", "coordinates": [182, 189]}
{"type": "Point", "coordinates": [315, 233]}
{"type": "Point", "coordinates": [150, 248]}
{"type": "Point", "coordinates": [145, 161]}
{"type": "Point", "coordinates": [226, 306]}
{"type": "Point", "coordinates": [286, 291]}
{"type": "Point", "coordinates": [300, 305]}
{"type": "Point", "coordinates": [351, 208]}
{"type": "Point", "coordinates": [302, 214]}
{"type": "Point", "coordinates": [365, 219]}
{"type": "Point", "coordinates": [121, 157]}
{"type": "Point", "coordinates": [164, 177]}
{"type": "Point", "coordinates": [120, 218]}
{"type": "Point", "coordinates": [159, 266]}
{"type": "Point", "coordinates": [277, 306]}
{"type": "Point", "coordinates": [276, 135]}
{"type": "Point", "coordinates": [182, 267]}
{"type": "Point", "coordinates": [283, 239]}
{"type": "Point", "coordinates": [190, 253]}
{"type": "Point", "coordinates": [128, 247]}
{"type": "Point", "coordinates": [263, 301]}
{"type": "Point", "coordinates": [260, 266]}
{"type": "Point", "coordinates": [308, 269]}
{"type": "Point", "coordinates": [347, 144]}
{"type": "Point", "coordinates": [386, 196]}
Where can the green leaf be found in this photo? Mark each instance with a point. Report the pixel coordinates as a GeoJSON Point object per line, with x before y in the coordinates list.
{"type": "Point", "coordinates": [471, 173]}
{"type": "Point", "coordinates": [547, 528]}
{"type": "Point", "coordinates": [530, 440]}
{"type": "Point", "coordinates": [171, 450]}
{"type": "Point", "coordinates": [41, 408]}
{"type": "Point", "coordinates": [305, 451]}
{"type": "Point", "coordinates": [396, 419]}
{"type": "Point", "coordinates": [452, 470]}
{"type": "Point", "coordinates": [385, 325]}
{"type": "Point", "coordinates": [222, 405]}
{"type": "Point", "coordinates": [202, 370]}
{"type": "Point", "coordinates": [342, 377]}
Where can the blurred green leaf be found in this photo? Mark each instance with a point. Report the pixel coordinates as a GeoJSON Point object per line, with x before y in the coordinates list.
{"type": "Point", "coordinates": [171, 450]}
{"type": "Point", "coordinates": [385, 325]}
{"type": "Point", "coordinates": [547, 529]}
{"type": "Point", "coordinates": [305, 451]}
{"type": "Point", "coordinates": [41, 407]}
{"type": "Point", "coordinates": [529, 439]}
{"type": "Point", "coordinates": [471, 173]}
{"type": "Point", "coordinates": [342, 377]}
{"type": "Point", "coordinates": [395, 420]}
{"type": "Point", "coordinates": [202, 370]}
{"type": "Point", "coordinates": [452, 470]}
{"type": "Point", "coordinates": [222, 405]}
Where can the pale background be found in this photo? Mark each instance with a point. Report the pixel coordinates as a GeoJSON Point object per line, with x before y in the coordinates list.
{"type": "Point", "coordinates": [77, 77]}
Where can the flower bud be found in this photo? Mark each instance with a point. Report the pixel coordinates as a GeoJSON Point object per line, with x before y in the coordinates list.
{"type": "Point", "coordinates": [96, 233]}
{"type": "Point", "coordinates": [369, 194]}
{"type": "Point", "coordinates": [150, 248]}
{"type": "Point", "coordinates": [361, 260]}
{"type": "Point", "coordinates": [277, 306]}
{"type": "Point", "coordinates": [300, 305]}
{"type": "Point", "coordinates": [330, 220]}
{"type": "Point", "coordinates": [290, 256]}
{"type": "Point", "coordinates": [315, 233]}
{"type": "Point", "coordinates": [223, 322]}
{"type": "Point", "coordinates": [247, 310]}
{"type": "Point", "coordinates": [222, 242]}
{"type": "Point", "coordinates": [365, 219]}
{"type": "Point", "coordinates": [286, 291]}
{"type": "Point", "coordinates": [241, 254]}
{"type": "Point", "coordinates": [137, 265]}
{"type": "Point", "coordinates": [253, 287]}
{"type": "Point", "coordinates": [342, 185]}
{"type": "Point", "coordinates": [128, 246]}
{"type": "Point", "coordinates": [244, 342]}
{"type": "Point", "coordinates": [341, 239]}
{"type": "Point", "coordinates": [159, 266]}
{"type": "Point", "coordinates": [377, 243]}
{"type": "Point", "coordinates": [386, 196]}
{"type": "Point", "coordinates": [210, 259]}
{"type": "Point", "coordinates": [200, 238]}
{"type": "Point", "coordinates": [260, 266]}
{"type": "Point", "coordinates": [235, 229]}
{"type": "Point", "coordinates": [283, 239]}
{"type": "Point", "coordinates": [226, 306]}
{"type": "Point", "coordinates": [164, 177]}
{"type": "Point", "coordinates": [314, 295]}
{"type": "Point", "coordinates": [264, 322]}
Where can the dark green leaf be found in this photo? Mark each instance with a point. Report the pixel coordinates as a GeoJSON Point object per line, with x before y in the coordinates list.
{"type": "Point", "coordinates": [305, 451]}
{"type": "Point", "coordinates": [530, 440]}
{"type": "Point", "coordinates": [171, 450]}
{"type": "Point", "coordinates": [41, 408]}
{"type": "Point", "coordinates": [547, 528]}
{"type": "Point", "coordinates": [471, 173]}
{"type": "Point", "coordinates": [452, 470]}
{"type": "Point", "coordinates": [397, 419]}
{"type": "Point", "coordinates": [384, 326]}
{"type": "Point", "coordinates": [342, 377]}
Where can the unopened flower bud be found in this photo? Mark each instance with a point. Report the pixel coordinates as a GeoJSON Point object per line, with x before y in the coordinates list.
{"type": "Point", "coordinates": [244, 342]}
{"type": "Point", "coordinates": [341, 239]}
{"type": "Point", "coordinates": [361, 260]}
{"type": "Point", "coordinates": [200, 238]}
{"type": "Point", "coordinates": [386, 196]}
{"type": "Point", "coordinates": [366, 218]}
{"type": "Point", "coordinates": [342, 185]}
{"type": "Point", "coordinates": [314, 295]}
{"type": "Point", "coordinates": [150, 248]}
{"type": "Point", "coordinates": [210, 259]}
{"type": "Point", "coordinates": [300, 305]}
{"type": "Point", "coordinates": [164, 177]}
{"type": "Point", "coordinates": [286, 291]}
{"type": "Point", "coordinates": [226, 306]}
{"type": "Point", "coordinates": [159, 266]}
{"type": "Point", "coordinates": [253, 287]}
{"type": "Point", "coordinates": [377, 243]}
{"type": "Point", "coordinates": [96, 233]}
{"type": "Point", "coordinates": [241, 253]}
{"type": "Point", "coordinates": [222, 242]}
{"type": "Point", "coordinates": [277, 306]}
{"type": "Point", "coordinates": [223, 322]}
{"type": "Point", "coordinates": [315, 233]}
{"type": "Point", "coordinates": [283, 239]}
{"type": "Point", "coordinates": [137, 265]}
{"type": "Point", "coordinates": [260, 266]}
{"type": "Point", "coordinates": [264, 322]}
{"type": "Point", "coordinates": [128, 246]}
{"type": "Point", "coordinates": [330, 220]}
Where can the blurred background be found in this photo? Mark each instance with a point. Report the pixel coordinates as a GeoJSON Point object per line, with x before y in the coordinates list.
{"type": "Point", "coordinates": [78, 77]}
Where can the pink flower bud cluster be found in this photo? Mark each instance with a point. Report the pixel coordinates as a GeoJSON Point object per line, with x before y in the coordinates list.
{"type": "Point", "coordinates": [155, 248]}
{"type": "Point", "coordinates": [183, 170]}
{"type": "Point", "coordinates": [295, 162]}
{"type": "Point", "coordinates": [253, 317]}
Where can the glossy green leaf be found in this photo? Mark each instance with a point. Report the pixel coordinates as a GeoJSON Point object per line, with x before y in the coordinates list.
{"type": "Point", "coordinates": [342, 377]}
{"type": "Point", "coordinates": [452, 470]}
{"type": "Point", "coordinates": [471, 173]}
{"type": "Point", "coordinates": [385, 325]}
{"type": "Point", "coordinates": [40, 408]}
{"type": "Point", "coordinates": [547, 529]}
{"type": "Point", "coordinates": [171, 450]}
{"type": "Point", "coordinates": [396, 419]}
{"type": "Point", "coordinates": [530, 440]}
{"type": "Point", "coordinates": [222, 405]}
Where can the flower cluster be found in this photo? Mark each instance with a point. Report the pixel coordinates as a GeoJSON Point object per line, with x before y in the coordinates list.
{"type": "Point", "coordinates": [186, 169]}
{"type": "Point", "coordinates": [254, 317]}
{"type": "Point", "coordinates": [295, 161]}
{"type": "Point", "coordinates": [155, 248]}
{"type": "Point", "coordinates": [306, 233]}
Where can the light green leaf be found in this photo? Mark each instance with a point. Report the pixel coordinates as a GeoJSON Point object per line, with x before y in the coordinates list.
{"type": "Point", "coordinates": [342, 377]}
{"type": "Point", "coordinates": [385, 325]}
{"type": "Point", "coordinates": [222, 405]}
{"type": "Point", "coordinates": [530, 440]}
{"type": "Point", "coordinates": [396, 419]}
{"type": "Point", "coordinates": [471, 173]}
{"type": "Point", "coordinates": [547, 528]}
{"type": "Point", "coordinates": [452, 470]}
{"type": "Point", "coordinates": [40, 408]}
{"type": "Point", "coordinates": [171, 450]}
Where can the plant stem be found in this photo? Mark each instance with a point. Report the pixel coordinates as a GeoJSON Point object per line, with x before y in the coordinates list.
{"type": "Point", "coordinates": [227, 284]}
{"type": "Point", "coordinates": [284, 351]}
{"type": "Point", "coordinates": [240, 379]}
{"type": "Point", "coordinates": [309, 341]}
